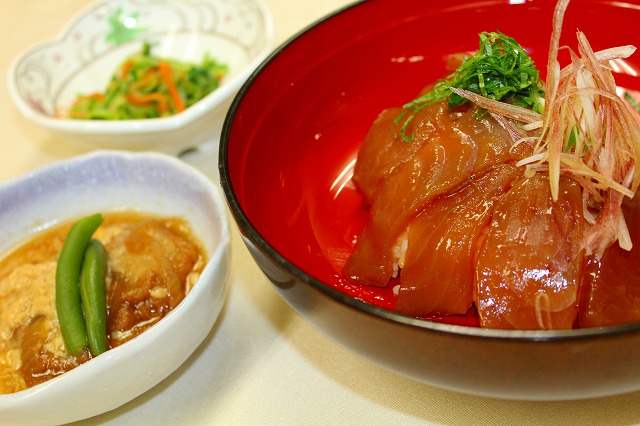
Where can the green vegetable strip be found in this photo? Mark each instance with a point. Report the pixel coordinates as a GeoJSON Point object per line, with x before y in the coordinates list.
{"type": "Point", "coordinates": [634, 104]}
{"type": "Point", "coordinates": [68, 303]}
{"type": "Point", "coordinates": [500, 70]}
{"type": "Point", "coordinates": [94, 296]}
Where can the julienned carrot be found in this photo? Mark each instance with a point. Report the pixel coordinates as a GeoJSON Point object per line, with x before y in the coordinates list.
{"type": "Point", "coordinates": [148, 80]}
{"type": "Point", "coordinates": [162, 104]}
{"type": "Point", "coordinates": [165, 72]}
{"type": "Point", "coordinates": [125, 68]}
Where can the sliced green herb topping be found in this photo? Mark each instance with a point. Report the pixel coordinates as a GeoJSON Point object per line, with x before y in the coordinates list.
{"type": "Point", "coordinates": [500, 70]}
{"type": "Point", "coordinates": [634, 104]}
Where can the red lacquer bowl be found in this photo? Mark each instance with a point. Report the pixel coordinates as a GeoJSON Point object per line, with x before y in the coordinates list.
{"type": "Point", "coordinates": [287, 152]}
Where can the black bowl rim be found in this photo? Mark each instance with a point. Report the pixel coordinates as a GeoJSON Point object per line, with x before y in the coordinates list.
{"type": "Point", "coordinates": [250, 232]}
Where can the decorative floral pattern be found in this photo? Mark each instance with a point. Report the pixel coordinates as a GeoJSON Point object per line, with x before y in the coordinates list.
{"type": "Point", "coordinates": [124, 27]}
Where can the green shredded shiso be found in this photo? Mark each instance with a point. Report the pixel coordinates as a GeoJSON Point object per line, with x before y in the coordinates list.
{"type": "Point", "coordinates": [501, 70]}
{"type": "Point", "coordinates": [634, 104]}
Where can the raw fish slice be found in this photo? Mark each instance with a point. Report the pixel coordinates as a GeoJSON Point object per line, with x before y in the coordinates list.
{"type": "Point", "coordinates": [438, 273]}
{"type": "Point", "coordinates": [459, 146]}
{"type": "Point", "coordinates": [382, 153]}
{"type": "Point", "coordinates": [610, 289]}
{"type": "Point", "coordinates": [529, 264]}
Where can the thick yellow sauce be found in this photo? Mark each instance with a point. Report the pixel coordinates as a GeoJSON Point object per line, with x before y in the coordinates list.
{"type": "Point", "coordinates": [152, 263]}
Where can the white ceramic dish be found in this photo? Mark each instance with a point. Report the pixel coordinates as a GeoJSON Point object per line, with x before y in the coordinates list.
{"type": "Point", "coordinates": [107, 181]}
{"type": "Point", "coordinates": [47, 78]}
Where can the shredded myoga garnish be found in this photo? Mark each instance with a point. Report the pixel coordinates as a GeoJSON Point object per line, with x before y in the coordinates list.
{"type": "Point", "coordinates": [589, 133]}
{"type": "Point", "coordinates": [586, 129]}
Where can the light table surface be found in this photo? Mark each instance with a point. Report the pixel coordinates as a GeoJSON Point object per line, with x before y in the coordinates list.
{"type": "Point", "coordinates": [262, 364]}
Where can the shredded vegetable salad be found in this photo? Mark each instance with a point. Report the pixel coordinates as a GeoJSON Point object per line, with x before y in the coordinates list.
{"type": "Point", "coordinates": [145, 86]}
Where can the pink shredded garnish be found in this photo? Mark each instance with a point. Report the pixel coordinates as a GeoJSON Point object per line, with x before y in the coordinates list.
{"type": "Point", "coordinates": [589, 133]}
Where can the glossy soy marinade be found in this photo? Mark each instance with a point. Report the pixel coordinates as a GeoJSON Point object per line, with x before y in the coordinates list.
{"type": "Point", "coordinates": [152, 263]}
{"type": "Point", "coordinates": [493, 242]}
{"type": "Point", "coordinates": [454, 148]}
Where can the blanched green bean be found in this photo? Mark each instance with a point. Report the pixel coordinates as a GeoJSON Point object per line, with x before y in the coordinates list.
{"type": "Point", "coordinates": [94, 296]}
{"type": "Point", "coordinates": [68, 303]}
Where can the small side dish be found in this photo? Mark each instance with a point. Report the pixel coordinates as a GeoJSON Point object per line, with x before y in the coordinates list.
{"type": "Point", "coordinates": [46, 80]}
{"type": "Point", "coordinates": [166, 238]}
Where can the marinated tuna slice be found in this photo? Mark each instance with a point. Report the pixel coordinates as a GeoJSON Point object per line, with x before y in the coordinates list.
{"type": "Point", "coordinates": [382, 153]}
{"type": "Point", "coordinates": [438, 272]}
{"type": "Point", "coordinates": [459, 146]}
{"type": "Point", "coordinates": [610, 289]}
{"type": "Point", "coordinates": [529, 264]}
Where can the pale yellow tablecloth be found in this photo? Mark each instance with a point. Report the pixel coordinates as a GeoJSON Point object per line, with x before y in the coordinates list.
{"type": "Point", "coordinates": [262, 364]}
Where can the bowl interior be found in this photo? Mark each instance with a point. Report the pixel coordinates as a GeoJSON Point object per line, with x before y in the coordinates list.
{"type": "Point", "coordinates": [292, 136]}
